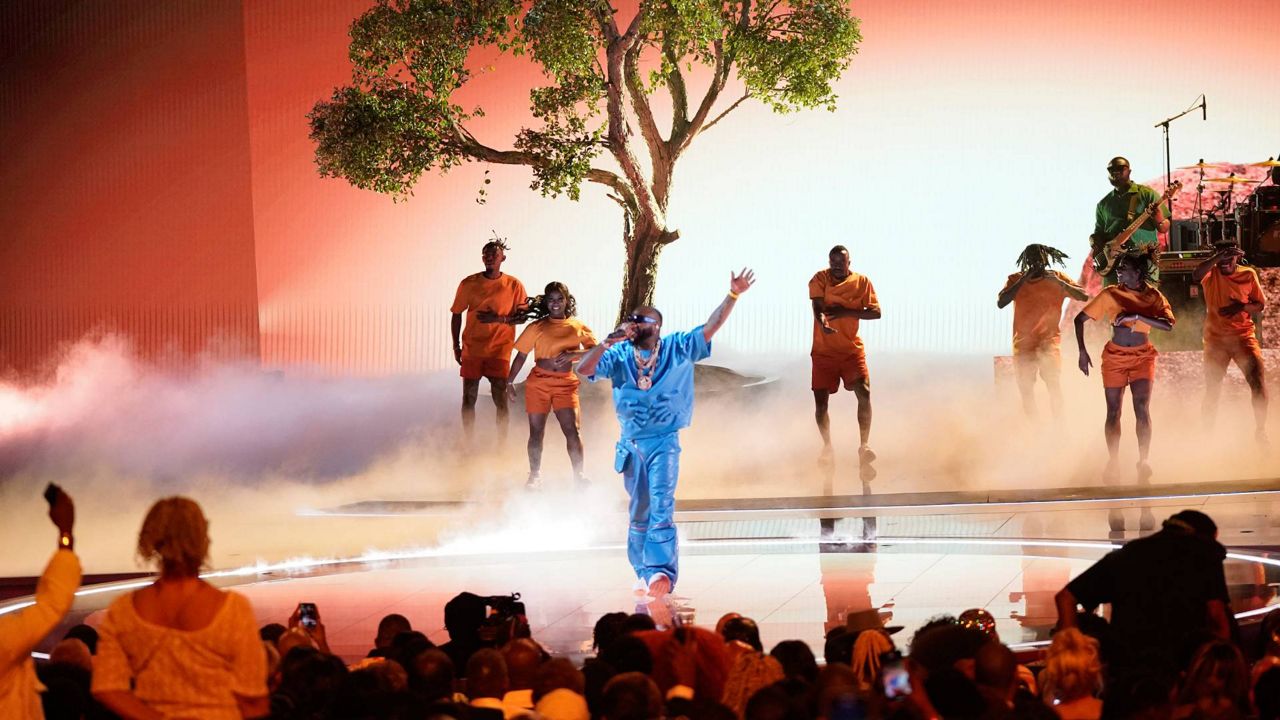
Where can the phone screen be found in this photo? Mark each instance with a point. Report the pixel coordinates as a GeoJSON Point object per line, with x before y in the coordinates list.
{"type": "Point", "coordinates": [897, 683]}
{"type": "Point", "coordinates": [307, 614]}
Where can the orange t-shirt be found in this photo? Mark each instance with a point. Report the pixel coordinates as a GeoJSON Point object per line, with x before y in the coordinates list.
{"type": "Point", "coordinates": [501, 295]}
{"type": "Point", "coordinates": [1116, 300]}
{"type": "Point", "coordinates": [1221, 290]}
{"type": "Point", "coordinates": [549, 337]}
{"type": "Point", "coordinates": [1037, 311]}
{"type": "Point", "coordinates": [854, 292]}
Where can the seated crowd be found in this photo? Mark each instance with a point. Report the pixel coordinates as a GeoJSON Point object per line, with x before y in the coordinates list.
{"type": "Point", "coordinates": [182, 648]}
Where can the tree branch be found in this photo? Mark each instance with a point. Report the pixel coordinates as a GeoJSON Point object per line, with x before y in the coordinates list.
{"type": "Point", "coordinates": [648, 212]}
{"type": "Point", "coordinates": [728, 110]}
{"type": "Point", "coordinates": [640, 104]}
{"type": "Point", "coordinates": [477, 150]}
{"type": "Point", "coordinates": [679, 91]}
{"type": "Point", "coordinates": [720, 75]}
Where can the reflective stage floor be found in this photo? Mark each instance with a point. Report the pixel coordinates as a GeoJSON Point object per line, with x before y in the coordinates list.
{"type": "Point", "coordinates": [795, 565]}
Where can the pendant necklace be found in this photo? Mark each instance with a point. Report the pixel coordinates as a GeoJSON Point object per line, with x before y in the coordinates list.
{"type": "Point", "coordinates": [645, 367]}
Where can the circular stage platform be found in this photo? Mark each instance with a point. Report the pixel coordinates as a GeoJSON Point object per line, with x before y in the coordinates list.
{"type": "Point", "coordinates": [795, 565]}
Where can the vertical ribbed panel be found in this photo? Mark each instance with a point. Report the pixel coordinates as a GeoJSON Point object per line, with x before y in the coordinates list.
{"type": "Point", "coordinates": [125, 185]}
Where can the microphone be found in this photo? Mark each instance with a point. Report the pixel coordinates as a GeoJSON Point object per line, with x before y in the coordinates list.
{"type": "Point", "coordinates": [1204, 108]}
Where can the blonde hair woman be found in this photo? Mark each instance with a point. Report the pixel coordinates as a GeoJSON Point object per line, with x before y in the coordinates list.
{"type": "Point", "coordinates": [180, 647]}
{"type": "Point", "coordinates": [1072, 676]}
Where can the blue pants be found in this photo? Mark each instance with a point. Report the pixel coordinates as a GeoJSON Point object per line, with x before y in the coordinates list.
{"type": "Point", "coordinates": [650, 467]}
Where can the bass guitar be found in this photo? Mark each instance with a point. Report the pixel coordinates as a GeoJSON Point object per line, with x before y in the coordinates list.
{"type": "Point", "coordinates": [1104, 257]}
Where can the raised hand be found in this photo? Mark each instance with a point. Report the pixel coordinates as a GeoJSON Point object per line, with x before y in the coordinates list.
{"type": "Point", "coordinates": [741, 282]}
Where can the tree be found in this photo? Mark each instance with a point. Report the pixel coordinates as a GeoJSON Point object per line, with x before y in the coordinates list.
{"type": "Point", "coordinates": [397, 119]}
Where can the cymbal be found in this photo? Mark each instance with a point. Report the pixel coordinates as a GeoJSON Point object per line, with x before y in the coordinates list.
{"type": "Point", "coordinates": [1231, 179]}
{"type": "Point", "coordinates": [1201, 166]}
{"type": "Point", "coordinates": [1268, 163]}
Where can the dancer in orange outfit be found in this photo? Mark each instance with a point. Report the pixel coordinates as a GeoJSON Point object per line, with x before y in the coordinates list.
{"type": "Point", "coordinates": [1232, 294]}
{"type": "Point", "coordinates": [1129, 360]}
{"type": "Point", "coordinates": [556, 341]}
{"type": "Point", "coordinates": [494, 304]}
{"type": "Point", "coordinates": [841, 299]}
{"type": "Point", "coordinates": [1037, 292]}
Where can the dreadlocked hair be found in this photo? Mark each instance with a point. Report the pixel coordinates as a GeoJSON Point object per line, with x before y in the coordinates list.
{"type": "Point", "coordinates": [570, 302]}
{"type": "Point", "coordinates": [1143, 260]}
{"type": "Point", "coordinates": [497, 242]}
{"type": "Point", "coordinates": [1040, 256]}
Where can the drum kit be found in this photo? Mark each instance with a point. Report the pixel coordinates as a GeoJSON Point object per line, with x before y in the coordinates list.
{"type": "Point", "coordinates": [1253, 222]}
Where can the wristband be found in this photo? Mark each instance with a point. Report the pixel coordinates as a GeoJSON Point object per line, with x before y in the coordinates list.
{"type": "Point", "coordinates": [733, 295]}
{"type": "Point", "coordinates": [66, 541]}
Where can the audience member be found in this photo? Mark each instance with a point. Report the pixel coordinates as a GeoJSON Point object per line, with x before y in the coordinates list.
{"type": "Point", "coordinates": [632, 696]}
{"type": "Point", "coordinates": [86, 635]}
{"type": "Point", "coordinates": [871, 641]}
{"type": "Point", "coordinates": [1162, 589]}
{"type": "Point", "coordinates": [180, 646]}
{"type": "Point", "coordinates": [23, 630]}
{"type": "Point", "coordinates": [562, 704]}
{"type": "Point", "coordinates": [271, 633]}
{"type": "Point", "coordinates": [1139, 694]}
{"type": "Point", "coordinates": [742, 630]}
{"type": "Point", "coordinates": [431, 676]}
{"type": "Point", "coordinates": [523, 657]}
{"type": "Point", "coordinates": [996, 674]}
{"type": "Point", "coordinates": [1266, 694]}
{"type": "Point", "coordinates": [463, 616]}
{"type": "Point", "coordinates": [628, 654]}
{"type": "Point", "coordinates": [307, 682]}
{"type": "Point", "coordinates": [487, 684]}
{"type": "Point", "coordinates": [1216, 684]}
{"type": "Point", "coordinates": [558, 674]}
{"type": "Point", "coordinates": [1268, 644]}
{"type": "Point", "coordinates": [608, 627]}
{"type": "Point", "coordinates": [1072, 676]}
{"type": "Point", "coordinates": [388, 628]}
{"type": "Point", "coordinates": [797, 660]}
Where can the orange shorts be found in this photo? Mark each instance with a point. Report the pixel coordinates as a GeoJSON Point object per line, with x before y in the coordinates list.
{"type": "Point", "coordinates": [547, 391]}
{"type": "Point", "coordinates": [829, 372]}
{"type": "Point", "coordinates": [474, 368]}
{"type": "Point", "coordinates": [1220, 351]}
{"type": "Point", "coordinates": [1047, 361]}
{"type": "Point", "coordinates": [1122, 365]}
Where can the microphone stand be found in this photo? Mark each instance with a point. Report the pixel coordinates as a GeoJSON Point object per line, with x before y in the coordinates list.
{"type": "Point", "coordinates": [1168, 166]}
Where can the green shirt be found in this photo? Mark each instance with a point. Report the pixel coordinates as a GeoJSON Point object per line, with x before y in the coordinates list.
{"type": "Point", "coordinates": [1117, 209]}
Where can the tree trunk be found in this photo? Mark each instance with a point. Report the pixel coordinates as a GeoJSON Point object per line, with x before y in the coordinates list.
{"type": "Point", "coordinates": [640, 275]}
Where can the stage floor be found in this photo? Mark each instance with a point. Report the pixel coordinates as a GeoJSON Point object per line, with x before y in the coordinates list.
{"type": "Point", "coordinates": [795, 565]}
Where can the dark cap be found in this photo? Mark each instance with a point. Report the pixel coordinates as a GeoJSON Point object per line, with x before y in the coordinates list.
{"type": "Point", "coordinates": [1117, 162]}
{"type": "Point", "coordinates": [1193, 521]}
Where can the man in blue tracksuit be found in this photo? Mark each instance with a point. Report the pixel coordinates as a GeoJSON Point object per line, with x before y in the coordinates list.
{"type": "Point", "coordinates": [652, 380]}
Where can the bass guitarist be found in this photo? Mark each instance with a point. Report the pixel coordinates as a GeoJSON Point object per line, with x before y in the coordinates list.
{"type": "Point", "coordinates": [1118, 209]}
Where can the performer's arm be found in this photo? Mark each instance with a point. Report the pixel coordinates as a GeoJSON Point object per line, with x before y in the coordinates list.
{"type": "Point", "coordinates": [1204, 268]}
{"type": "Point", "coordinates": [1085, 362]}
{"type": "Point", "coordinates": [516, 365]}
{"type": "Point", "coordinates": [1074, 291]}
{"type": "Point", "coordinates": [1162, 223]}
{"type": "Point", "coordinates": [1066, 603]}
{"type": "Point", "coordinates": [1218, 623]}
{"type": "Point", "coordinates": [455, 327]}
{"type": "Point", "coordinates": [1157, 323]}
{"type": "Point", "coordinates": [587, 365]}
{"type": "Point", "coordinates": [738, 284]}
{"type": "Point", "coordinates": [820, 315]}
{"type": "Point", "coordinates": [1006, 295]}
